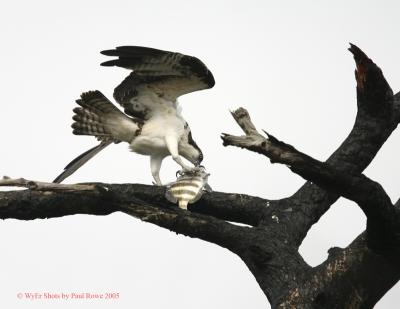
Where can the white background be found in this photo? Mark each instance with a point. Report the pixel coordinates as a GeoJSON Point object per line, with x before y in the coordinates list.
{"type": "Point", "coordinates": [286, 63]}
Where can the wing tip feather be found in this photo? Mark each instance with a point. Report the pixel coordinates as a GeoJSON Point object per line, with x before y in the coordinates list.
{"type": "Point", "coordinates": [109, 63]}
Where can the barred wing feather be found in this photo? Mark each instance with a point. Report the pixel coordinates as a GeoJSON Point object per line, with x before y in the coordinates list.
{"type": "Point", "coordinates": [156, 74]}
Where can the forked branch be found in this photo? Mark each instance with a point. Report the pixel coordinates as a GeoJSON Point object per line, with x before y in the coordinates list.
{"type": "Point", "coordinates": [382, 227]}
{"type": "Point", "coordinates": [378, 114]}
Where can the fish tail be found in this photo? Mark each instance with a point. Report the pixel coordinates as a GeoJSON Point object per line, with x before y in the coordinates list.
{"type": "Point", "coordinates": [183, 204]}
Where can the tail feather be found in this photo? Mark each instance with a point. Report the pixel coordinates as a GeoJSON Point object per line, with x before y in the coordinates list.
{"type": "Point", "coordinates": [80, 160]}
{"type": "Point", "coordinates": [97, 116]}
{"type": "Point", "coordinates": [96, 101]}
{"type": "Point", "coordinates": [87, 122]}
{"type": "Point", "coordinates": [84, 113]}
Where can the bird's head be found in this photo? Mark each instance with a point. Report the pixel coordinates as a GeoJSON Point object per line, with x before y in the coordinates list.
{"type": "Point", "coordinates": [189, 149]}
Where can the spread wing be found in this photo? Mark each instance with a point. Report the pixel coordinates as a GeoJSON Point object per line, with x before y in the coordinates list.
{"type": "Point", "coordinates": [158, 78]}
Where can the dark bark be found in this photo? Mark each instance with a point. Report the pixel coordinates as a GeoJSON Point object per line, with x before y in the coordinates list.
{"type": "Point", "coordinates": [383, 228]}
{"type": "Point", "coordinates": [353, 277]}
{"type": "Point", "coordinates": [377, 116]}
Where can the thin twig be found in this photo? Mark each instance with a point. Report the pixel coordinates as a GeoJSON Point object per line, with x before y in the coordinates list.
{"type": "Point", "coordinates": [44, 186]}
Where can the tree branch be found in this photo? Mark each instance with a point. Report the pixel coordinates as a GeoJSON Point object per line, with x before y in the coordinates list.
{"type": "Point", "coordinates": [382, 224]}
{"type": "Point", "coordinates": [239, 208]}
{"type": "Point", "coordinates": [44, 186]}
{"type": "Point", "coordinates": [190, 224]}
{"type": "Point", "coordinates": [266, 251]}
{"type": "Point", "coordinates": [397, 204]}
{"type": "Point", "coordinates": [377, 116]}
{"type": "Point", "coordinates": [148, 203]}
{"type": "Point", "coordinates": [353, 277]}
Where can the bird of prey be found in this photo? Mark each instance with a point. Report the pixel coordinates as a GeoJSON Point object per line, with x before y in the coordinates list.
{"type": "Point", "coordinates": [152, 124]}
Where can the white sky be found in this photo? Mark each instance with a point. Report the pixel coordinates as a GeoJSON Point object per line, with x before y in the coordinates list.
{"type": "Point", "coordinates": [286, 63]}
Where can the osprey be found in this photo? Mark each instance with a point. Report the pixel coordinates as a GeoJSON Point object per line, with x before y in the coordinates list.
{"type": "Point", "coordinates": [152, 123]}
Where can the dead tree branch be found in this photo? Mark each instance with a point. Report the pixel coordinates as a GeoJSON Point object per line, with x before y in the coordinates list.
{"type": "Point", "coordinates": [378, 114]}
{"type": "Point", "coordinates": [353, 277]}
{"type": "Point", "coordinates": [383, 231]}
{"type": "Point", "coordinates": [207, 220]}
{"type": "Point", "coordinates": [355, 273]}
{"type": "Point", "coordinates": [239, 208]}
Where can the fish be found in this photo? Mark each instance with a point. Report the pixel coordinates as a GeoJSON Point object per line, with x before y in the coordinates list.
{"type": "Point", "coordinates": [188, 188]}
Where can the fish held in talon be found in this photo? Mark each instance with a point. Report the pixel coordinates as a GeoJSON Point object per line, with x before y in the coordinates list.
{"type": "Point", "coordinates": [189, 187]}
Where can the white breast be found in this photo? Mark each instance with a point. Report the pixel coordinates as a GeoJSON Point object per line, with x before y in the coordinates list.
{"type": "Point", "coordinates": [151, 140]}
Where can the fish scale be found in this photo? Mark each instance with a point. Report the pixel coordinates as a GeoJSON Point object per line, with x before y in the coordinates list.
{"type": "Point", "coordinates": [188, 188]}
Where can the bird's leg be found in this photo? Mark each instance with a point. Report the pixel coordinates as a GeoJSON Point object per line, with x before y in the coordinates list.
{"type": "Point", "coordinates": [155, 166]}
{"type": "Point", "coordinates": [172, 145]}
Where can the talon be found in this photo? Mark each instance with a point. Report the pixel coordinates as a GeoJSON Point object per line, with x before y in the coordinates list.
{"type": "Point", "coordinates": [180, 173]}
